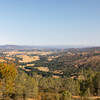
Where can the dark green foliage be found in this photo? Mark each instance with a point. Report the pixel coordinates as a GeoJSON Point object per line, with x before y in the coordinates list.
{"type": "Point", "coordinates": [96, 82]}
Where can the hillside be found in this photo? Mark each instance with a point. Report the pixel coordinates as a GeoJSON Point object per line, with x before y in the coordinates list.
{"type": "Point", "coordinates": [48, 74]}
{"type": "Point", "coordinates": [58, 62]}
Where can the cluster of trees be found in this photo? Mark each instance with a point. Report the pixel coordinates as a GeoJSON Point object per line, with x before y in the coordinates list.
{"type": "Point", "coordinates": [69, 62]}
{"type": "Point", "coordinates": [7, 78]}
{"type": "Point", "coordinates": [17, 84]}
{"type": "Point", "coordinates": [87, 85]}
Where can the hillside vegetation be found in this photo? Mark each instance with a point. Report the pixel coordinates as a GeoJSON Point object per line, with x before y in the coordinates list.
{"type": "Point", "coordinates": [70, 74]}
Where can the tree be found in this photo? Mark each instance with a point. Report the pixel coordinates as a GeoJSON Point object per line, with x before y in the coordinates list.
{"type": "Point", "coordinates": [26, 86]}
{"type": "Point", "coordinates": [31, 87]}
{"type": "Point", "coordinates": [96, 82]}
{"type": "Point", "coordinates": [20, 84]}
{"type": "Point", "coordinates": [8, 74]}
{"type": "Point", "coordinates": [57, 97]}
{"type": "Point", "coordinates": [66, 95]}
{"type": "Point", "coordinates": [71, 85]}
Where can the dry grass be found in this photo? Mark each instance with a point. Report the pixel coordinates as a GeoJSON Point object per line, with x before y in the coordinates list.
{"type": "Point", "coordinates": [50, 58]}
{"type": "Point", "coordinates": [10, 53]}
{"type": "Point", "coordinates": [30, 64]}
{"type": "Point", "coordinates": [10, 58]}
{"type": "Point", "coordinates": [55, 76]}
{"type": "Point", "coordinates": [2, 60]}
{"type": "Point", "coordinates": [26, 59]}
{"type": "Point", "coordinates": [45, 69]}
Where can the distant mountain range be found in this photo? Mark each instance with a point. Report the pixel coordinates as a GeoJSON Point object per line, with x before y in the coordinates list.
{"type": "Point", "coordinates": [16, 47]}
{"type": "Point", "coordinates": [27, 47]}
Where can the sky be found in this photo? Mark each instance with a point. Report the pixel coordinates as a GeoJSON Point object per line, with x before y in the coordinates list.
{"type": "Point", "coordinates": [50, 22]}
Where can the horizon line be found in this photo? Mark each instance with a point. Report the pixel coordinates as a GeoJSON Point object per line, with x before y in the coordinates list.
{"type": "Point", "coordinates": [81, 45]}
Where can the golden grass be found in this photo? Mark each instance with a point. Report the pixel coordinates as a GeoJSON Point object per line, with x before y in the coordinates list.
{"type": "Point", "coordinates": [45, 69]}
{"type": "Point", "coordinates": [26, 59]}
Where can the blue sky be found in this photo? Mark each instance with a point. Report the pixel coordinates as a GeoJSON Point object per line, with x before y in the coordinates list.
{"type": "Point", "coordinates": [50, 22]}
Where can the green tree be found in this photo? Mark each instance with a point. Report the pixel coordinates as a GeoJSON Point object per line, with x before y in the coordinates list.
{"type": "Point", "coordinates": [96, 82]}
{"type": "Point", "coordinates": [31, 87]}
{"type": "Point", "coordinates": [26, 86]}
{"type": "Point", "coordinates": [66, 95]}
{"type": "Point", "coordinates": [73, 86]}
